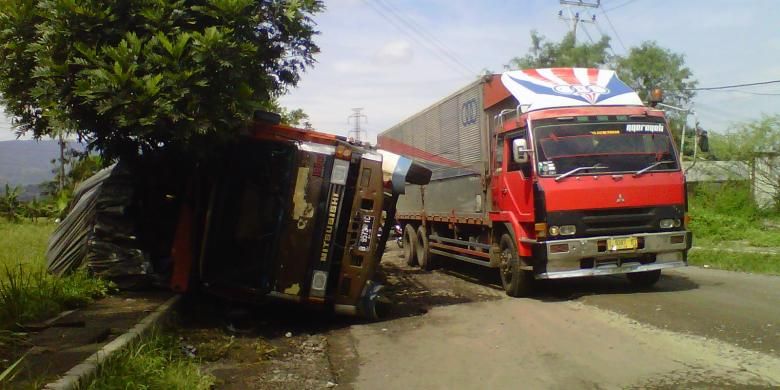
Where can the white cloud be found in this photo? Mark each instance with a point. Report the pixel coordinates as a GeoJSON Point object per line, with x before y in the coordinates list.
{"type": "Point", "coordinates": [365, 64]}
{"type": "Point", "coordinates": [394, 53]}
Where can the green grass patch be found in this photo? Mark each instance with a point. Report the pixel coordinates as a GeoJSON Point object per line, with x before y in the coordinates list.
{"type": "Point", "coordinates": [155, 363]}
{"type": "Point", "coordinates": [727, 213]}
{"type": "Point", "coordinates": [27, 292]}
{"type": "Point", "coordinates": [736, 261]}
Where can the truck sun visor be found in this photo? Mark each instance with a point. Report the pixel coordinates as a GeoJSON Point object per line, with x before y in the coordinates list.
{"type": "Point", "coordinates": [401, 170]}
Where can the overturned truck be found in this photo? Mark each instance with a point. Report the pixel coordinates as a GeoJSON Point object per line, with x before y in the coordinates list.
{"type": "Point", "coordinates": [284, 213]}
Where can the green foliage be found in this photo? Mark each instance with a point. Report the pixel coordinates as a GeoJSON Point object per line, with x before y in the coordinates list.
{"type": "Point", "coordinates": [744, 141]}
{"type": "Point", "coordinates": [727, 213]}
{"type": "Point", "coordinates": [567, 53]}
{"type": "Point", "coordinates": [133, 77]}
{"type": "Point", "coordinates": [736, 261]}
{"type": "Point", "coordinates": [155, 363]}
{"type": "Point", "coordinates": [10, 206]}
{"type": "Point", "coordinates": [650, 66]}
{"type": "Point", "coordinates": [27, 291]}
{"type": "Point", "coordinates": [69, 171]}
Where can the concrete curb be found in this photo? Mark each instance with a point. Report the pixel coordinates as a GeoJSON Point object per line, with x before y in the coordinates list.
{"type": "Point", "coordinates": [82, 372]}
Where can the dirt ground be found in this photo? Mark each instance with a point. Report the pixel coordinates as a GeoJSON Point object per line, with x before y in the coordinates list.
{"type": "Point", "coordinates": [454, 328]}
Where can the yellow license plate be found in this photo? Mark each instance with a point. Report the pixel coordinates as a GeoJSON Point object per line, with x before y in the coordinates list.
{"type": "Point", "coordinates": [617, 244]}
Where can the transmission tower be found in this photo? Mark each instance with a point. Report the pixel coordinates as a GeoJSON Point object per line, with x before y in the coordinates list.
{"type": "Point", "coordinates": [356, 118]}
{"type": "Point", "coordinates": [574, 17]}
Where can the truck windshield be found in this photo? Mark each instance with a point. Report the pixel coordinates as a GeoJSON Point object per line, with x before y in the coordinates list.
{"type": "Point", "coordinates": [612, 146]}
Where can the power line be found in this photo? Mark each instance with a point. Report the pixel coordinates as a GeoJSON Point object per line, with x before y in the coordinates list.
{"type": "Point", "coordinates": [425, 34]}
{"type": "Point", "coordinates": [405, 30]}
{"type": "Point", "coordinates": [743, 92]}
{"type": "Point", "coordinates": [620, 5]}
{"type": "Point", "coordinates": [604, 12]}
{"type": "Point", "coordinates": [733, 86]}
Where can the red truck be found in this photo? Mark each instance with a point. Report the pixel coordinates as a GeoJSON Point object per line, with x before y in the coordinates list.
{"type": "Point", "coordinates": [544, 174]}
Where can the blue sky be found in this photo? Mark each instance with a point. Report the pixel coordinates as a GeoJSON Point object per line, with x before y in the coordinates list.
{"type": "Point", "coordinates": [391, 72]}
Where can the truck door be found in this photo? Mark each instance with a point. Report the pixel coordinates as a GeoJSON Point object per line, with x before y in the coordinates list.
{"type": "Point", "coordinates": [512, 188]}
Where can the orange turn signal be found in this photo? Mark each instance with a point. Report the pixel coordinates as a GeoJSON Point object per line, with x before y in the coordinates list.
{"type": "Point", "coordinates": [541, 229]}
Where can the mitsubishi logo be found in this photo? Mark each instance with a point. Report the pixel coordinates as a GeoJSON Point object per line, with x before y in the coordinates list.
{"type": "Point", "coordinates": [620, 199]}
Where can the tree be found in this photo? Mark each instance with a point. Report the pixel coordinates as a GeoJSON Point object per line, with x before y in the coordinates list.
{"type": "Point", "coordinates": [650, 66]}
{"type": "Point", "coordinates": [134, 77]}
{"type": "Point", "coordinates": [758, 143]}
{"type": "Point", "coordinates": [567, 53]}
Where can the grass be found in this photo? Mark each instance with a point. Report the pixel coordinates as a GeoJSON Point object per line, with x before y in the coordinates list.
{"type": "Point", "coordinates": [27, 292]}
{"type": "Point", "coordinates": [731, 261]}
{"type": "Point", "coordinates": [725, 216]}
{"type": "Point", "coordinates": [156, 363]}
{"type": "Point", "coordinates": [728, 213]}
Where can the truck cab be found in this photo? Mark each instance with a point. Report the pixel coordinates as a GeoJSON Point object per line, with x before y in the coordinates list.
{"type": "Point", "coordinates": [593, 174]}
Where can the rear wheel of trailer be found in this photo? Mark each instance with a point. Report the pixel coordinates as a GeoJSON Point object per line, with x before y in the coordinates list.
{"type": "Point", "coordinates": [424, 258]}
{"type": "Point", "coordinates": [410, 243]}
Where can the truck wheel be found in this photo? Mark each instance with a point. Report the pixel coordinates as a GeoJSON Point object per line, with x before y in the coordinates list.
{"type": "Point", "coordinates": [516, 281]}
{"type": "Point", "coordinates": [410, 240]}
{"type": "Point", "coordinates": [423, 250]}
{"type": "Point", "coordinates": [644, 279]}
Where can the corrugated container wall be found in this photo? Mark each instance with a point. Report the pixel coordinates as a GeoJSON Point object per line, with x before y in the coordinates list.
{"type": "Point", "coordinates": [450, 129]}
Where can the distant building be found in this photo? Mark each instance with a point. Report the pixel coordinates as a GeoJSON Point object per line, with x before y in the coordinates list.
{"type": "Point", "coordinates": [716, 171]}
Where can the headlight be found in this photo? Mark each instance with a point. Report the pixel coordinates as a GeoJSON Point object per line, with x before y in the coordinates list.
{"type": "Point", "coordinates": [669, 223]}
{"type": "Point", "coordinates": [554, 230]}
{"type": "Point", "coordinates": [568, 230]}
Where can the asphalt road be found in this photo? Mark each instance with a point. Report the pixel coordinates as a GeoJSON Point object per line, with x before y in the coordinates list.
{"type": "Point", "coordinates": [453, 328]}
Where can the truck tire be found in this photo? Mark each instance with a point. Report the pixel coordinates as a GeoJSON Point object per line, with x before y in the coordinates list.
{"type": "Point", "coordinates": [410, 241]}
{"type": "Point", "coordinates": [423, 250]}
{"type": "Point", "coordinates": [516, 281]}
{"type": "Point", "coordinates": [644, 279]}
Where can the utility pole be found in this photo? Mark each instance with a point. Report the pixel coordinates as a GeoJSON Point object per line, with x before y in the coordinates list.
{"type": "Point", "coordinates": [574, 17]}
{"type": "Point", "coordinates": [356, 132]}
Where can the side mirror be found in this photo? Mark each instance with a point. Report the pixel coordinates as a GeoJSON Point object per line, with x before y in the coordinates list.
{"type": "Point", "coordinates": [520, 151]}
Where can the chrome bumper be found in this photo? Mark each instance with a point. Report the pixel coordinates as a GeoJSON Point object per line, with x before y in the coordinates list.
{"type": "Point", "coordinates": [568, 264]}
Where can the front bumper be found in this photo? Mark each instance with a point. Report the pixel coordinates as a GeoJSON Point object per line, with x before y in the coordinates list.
{"type": "Point", "coordinates": [584, 258]}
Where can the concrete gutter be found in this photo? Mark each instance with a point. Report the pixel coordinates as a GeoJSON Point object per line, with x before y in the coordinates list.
{"type": "Point", "coordinates": [81, 373]}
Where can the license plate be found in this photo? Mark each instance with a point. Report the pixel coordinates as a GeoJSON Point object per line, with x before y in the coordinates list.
{"type": "Point", "coordinates": [364, 240]}
{"type": "Point", "coordinates": [617, 244]}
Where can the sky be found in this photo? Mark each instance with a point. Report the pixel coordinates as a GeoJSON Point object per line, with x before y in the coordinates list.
{"type": "Point", "coordinates": [393, 58]}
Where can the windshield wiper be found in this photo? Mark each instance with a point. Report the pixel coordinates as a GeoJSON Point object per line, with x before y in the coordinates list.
{"type": "Point", "coordinates": [575, 170]}
{"type": "Point", "coordinates": [651, 166]}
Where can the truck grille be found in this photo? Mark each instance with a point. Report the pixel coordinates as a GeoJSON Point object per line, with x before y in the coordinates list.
{"type": "Point", "coordinates": [615, 221]}
{"type": "Point", "coordinates": [618, 221]}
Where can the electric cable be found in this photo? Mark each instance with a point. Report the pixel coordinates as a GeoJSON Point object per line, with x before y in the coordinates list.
{"type": "Point", "coordinates": [453, 64]}
{"type": "Point", "coordinates": [604, 12]}
{"type": "Point", "coordinates": [733, 86]}
{"type": "Point", "coordinates": [621, 5]}
{"type": "Point", "coordinates": [422, 32]}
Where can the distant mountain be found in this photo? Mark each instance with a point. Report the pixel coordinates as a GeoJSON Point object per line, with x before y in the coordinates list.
{"type": "Point", "coordinates": [26, 163]}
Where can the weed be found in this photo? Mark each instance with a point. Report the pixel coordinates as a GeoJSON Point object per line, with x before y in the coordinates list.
{"type": "Point", "coordinates": [27, 291]}
{"type": "Point", "coordinates": [154, 363]}
{"type": "Point", "coordinates": [733, 261]}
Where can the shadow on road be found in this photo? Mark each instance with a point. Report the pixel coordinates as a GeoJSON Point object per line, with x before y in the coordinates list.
{"type": "Point", "coordinates": [568, 289]}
